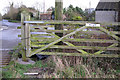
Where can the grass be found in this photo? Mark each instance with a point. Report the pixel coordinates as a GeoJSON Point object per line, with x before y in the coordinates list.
{"type": "Point", "coordinates": [64, 67]}
{"type": "Point", "coordinates": [16, 70]}
{"type": "Point", "coordinates": [79, 67]}
{"type": "Point", "coordinates": [14, 21]}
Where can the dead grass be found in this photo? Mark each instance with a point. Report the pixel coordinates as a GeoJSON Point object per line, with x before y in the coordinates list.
{"type": "Point", "coordinates": [78, 67]}
{"type": "Point", "coordinates": [67, 67]}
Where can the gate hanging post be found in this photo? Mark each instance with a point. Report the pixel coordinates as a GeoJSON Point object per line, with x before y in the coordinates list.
{"type": "Point", "coordinates": [59, 16]}
{"type": "Point", "coordinates": [119, 22]}
{"type": "Point", "coordinates": [24, 17]}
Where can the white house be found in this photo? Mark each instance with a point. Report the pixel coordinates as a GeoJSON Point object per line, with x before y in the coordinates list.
{"type": "Point", "coordinates": [107, 11]}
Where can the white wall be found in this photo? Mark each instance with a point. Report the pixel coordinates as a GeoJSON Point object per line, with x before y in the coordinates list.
{"type": "Point", "coordinates": [105, 16]}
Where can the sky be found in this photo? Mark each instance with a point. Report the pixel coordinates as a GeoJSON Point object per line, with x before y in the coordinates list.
{"type": "Point", "coordinates": [48, 3]}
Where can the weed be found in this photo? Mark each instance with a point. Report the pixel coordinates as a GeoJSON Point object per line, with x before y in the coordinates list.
{"type": "Point", "coordinates": [79, 67]}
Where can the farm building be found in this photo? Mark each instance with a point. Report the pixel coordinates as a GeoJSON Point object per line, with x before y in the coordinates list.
{"type": "Point", "coordinates": [108, 11]}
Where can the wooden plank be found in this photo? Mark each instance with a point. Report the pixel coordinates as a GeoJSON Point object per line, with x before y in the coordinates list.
{"type": "Point", "coordinates": [92, 40]}
{"type": "Point", "coordinates": [34, 35]}
{"type": "Point", "coordinates": [43, 38]}
{"type": "Point", "coordinates": [98, 32]}
{"type": "Point", "coordinates": [53, 22]}
{"type": "Point", "coordinates": [78, 47]}
{"type": "Point", "coordinates": [43, 26]}
{"type": "Point", "coordinates": [39, 26]}
{"type": "Point", "coordinates": [42, 41]}
{"type": "Point", "coordinates": [49, 45]}
{"type": "Point", "coordinates": [70, 22]}
{"type": "Point", "coordinates": [77, 54]}
{"type": "Point", "coordinates": [69, 44]}
{"type": "Point", "coordinates": [82, 51]}
{"type": "Point", "coordinates": [101, 51]}
{"type": "Point", "coordinates": [110, 23]}
{"type": "Point", "coordinates": [115, 32]}
{"type": "Point", "coordinates": [38, 43]}
{"type": "Point", "coordinates": [87, 47]}
{"type": "Point", "coordinates": [35, 45]}
{"type": "Point", "coordinates": [82, 32]}
{"type": "Point", "coordinates": [49, 31]}
{"type": "Point", "coordinates": [110, 33]}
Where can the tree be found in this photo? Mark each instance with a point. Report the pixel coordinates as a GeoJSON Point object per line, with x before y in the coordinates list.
{"type": "Point", "coordinates": [12, 12]}
{"type": "Point", "coordinates": [90, 16]}
{"type": "Point", "coordinates": [80, 11]}
{"type": "Point", "coordinates": [73, 13]}
{"type": "Point", "coordinates": [39, 7]}
{"type": "Point", "coordinates": [64, 10]}
{"type": "Point", "coordinates": [71, 6]}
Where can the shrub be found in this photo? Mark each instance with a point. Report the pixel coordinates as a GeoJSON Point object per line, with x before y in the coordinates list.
{"type": "Point", "coordinates": [77, 18]}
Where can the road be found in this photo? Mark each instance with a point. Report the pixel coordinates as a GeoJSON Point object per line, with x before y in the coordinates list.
{"type": "Point", "coordinates": [9, 35]}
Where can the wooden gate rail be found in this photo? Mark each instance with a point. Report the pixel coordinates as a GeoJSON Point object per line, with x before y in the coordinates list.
{"type": "Point", "coordinates": [39, 44]}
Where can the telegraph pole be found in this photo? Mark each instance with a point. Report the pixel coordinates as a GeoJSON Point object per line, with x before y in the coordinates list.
{"type": "Point", "coordinates": [119, 23]}
{"type": "Point", "coordinates": [59, 16]}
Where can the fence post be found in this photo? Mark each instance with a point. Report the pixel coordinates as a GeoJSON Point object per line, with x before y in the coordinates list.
{"type": "Point", "coordinates": [59, 16]}
{"type": "Point", "coordinates": [27, 39]}
{"type": "Point", "coordinates": [24, 16]}
{"type": "Point", "coordinates": [119, 24]}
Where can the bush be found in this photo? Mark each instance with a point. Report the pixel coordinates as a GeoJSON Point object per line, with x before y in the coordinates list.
{"type": "Point", "coordinates": [77, 18]}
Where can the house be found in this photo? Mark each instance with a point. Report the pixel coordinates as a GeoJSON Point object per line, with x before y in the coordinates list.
{"type": "Point", "coordinates": [33, 11]}
{"type": "Point", "coordinates": [49, 15]}
{"type": "Point", "coordinates": [108, 11]}
{"type": "Point", "coordinates": [45, 16]}
{"type": "Point", "coordinates": [49, 10]}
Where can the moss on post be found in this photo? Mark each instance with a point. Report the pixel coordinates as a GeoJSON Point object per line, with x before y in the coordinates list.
{"type": "Point", "coordinates": [24, 16]}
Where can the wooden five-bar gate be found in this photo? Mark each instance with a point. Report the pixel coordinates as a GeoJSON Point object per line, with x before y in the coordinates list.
{"type": "Point", "coordinates": [79, 39]}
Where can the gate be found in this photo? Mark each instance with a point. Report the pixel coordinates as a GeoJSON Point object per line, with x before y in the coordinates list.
{"type": "Point", "coordinates": [78, 39]}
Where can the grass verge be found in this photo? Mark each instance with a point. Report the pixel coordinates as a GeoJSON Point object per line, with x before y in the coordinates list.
{"type": "Point", "coordinates": [14, 21]}
{"type": "Point", "coordinates": [64, 67]}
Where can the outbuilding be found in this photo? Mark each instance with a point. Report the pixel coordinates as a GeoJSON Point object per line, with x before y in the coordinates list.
{"type": "Point", "coordinates": [108, 11]}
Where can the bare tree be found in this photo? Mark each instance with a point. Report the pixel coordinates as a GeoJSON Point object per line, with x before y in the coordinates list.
{"type": "Point", "coordinates": [39, 7]}
{"type": "Point", "coordinates": [11, 11]}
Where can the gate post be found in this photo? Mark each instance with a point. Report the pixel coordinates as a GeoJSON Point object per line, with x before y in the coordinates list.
{"type": "Point", "coordinates": [119, 24]}
{"type": "Point", "coordinates": [59, 16]}
{"type": "Point", "coordinates": [24, 17]}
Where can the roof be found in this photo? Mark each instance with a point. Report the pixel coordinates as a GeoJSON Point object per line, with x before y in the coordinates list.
{"type": "Point", "coordinates": [107, 6]}
{"type": "Point", "coordinates": [109, 0]}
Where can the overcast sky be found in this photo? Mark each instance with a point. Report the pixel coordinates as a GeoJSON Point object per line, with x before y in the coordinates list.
{"type": "Point", "coordinates": [48, 3]}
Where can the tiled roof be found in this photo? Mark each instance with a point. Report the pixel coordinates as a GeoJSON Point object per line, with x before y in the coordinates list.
{"type": "Point", "coordinates": [107, 6]}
